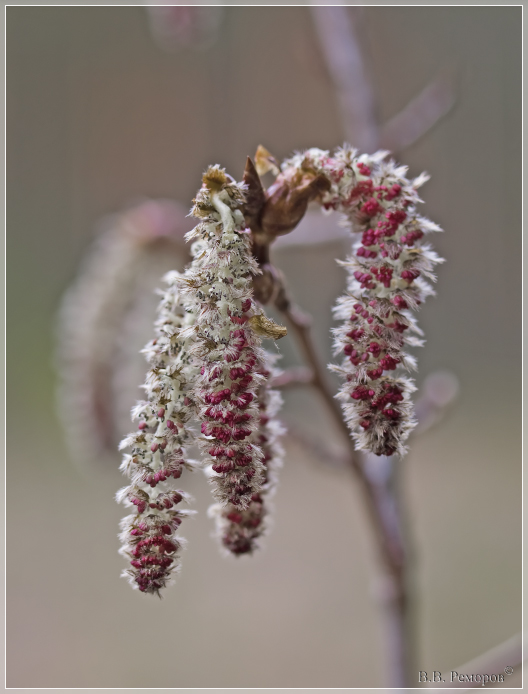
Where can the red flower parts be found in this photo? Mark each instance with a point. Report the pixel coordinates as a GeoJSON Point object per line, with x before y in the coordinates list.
{"type": "Point", "coordinates": [388, 273]}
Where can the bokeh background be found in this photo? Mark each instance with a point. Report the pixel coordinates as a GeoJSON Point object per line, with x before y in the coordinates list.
{"type": "Point", "coordinates": [98, 115]}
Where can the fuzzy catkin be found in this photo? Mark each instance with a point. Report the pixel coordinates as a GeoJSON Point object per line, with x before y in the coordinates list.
{"type": "Point", "coordinates": [240, 531]}
{"type": "Point", "coordinates": [158, 454]}
{"type": "Point", "coordinates": [218, 289]}
{"type": "Point", "coordinates": [388, 273]}
{"type": "Point", "coordinates": [101, 320]}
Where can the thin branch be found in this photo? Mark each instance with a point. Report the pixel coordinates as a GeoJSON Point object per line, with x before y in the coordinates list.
{"type": "Point", "coordinates": [497, 660]}
{"type": "Point", "coordinates": [336, 31]}
{"type": "Point", "coordinates": [420, 115]}
{"type": "Point", "coordinates": [381, 505]}
{"type": "Point", "coordinates": [439, 391]}
{"type": "Point", "coordinates": [336, 456]}
{"type": "Point", "coordinates": [300, 323]}
{"type": "Point", "coordinates": [295, 376]}
{"type": "Point", "coordinates": [335, 27]}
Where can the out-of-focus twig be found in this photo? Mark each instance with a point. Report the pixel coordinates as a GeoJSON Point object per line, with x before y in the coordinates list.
{"type": "Point", "coordinates": [438, 392]}
{"type": "Point", "coordinates": [189, 26]}
{"type": "Point", "coordinates": [335, 26]}
{"type": "Point", "coordinates": [420, 115]}
{"type": "Point", "coordinates": [300, 323]}
{"type": "Point", "coordinates": [381, 505]}
{"type": "Point", "coordinates": [503, 660]}
{"type": "Point", "coordinates": [336, 30]}
{"type": "Point", "coordinates": [295, 376]}
{"type": "Point", "coordinates": [122, 269]}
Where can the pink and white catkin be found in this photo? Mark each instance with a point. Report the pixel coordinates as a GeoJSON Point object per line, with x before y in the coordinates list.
{"type": "Point", "coordinates": [218, 290]}
{"type": "Point", "coordinates": [158, 455]}
{"type": "Point", "coordinates": [241, 530]}
{"type": "Point", "coordinates": [387, 279]}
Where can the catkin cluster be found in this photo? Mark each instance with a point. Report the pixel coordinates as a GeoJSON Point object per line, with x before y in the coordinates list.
{"type": "Point", "coordinates": [389, 274]}
{"type": "Point", "coordinates": [207, 364]}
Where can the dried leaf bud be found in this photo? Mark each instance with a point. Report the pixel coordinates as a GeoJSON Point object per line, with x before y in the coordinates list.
{"type": "Point", "coordinates": [265, 327]}
{"type": "Point", "coordinates": [264, 162]}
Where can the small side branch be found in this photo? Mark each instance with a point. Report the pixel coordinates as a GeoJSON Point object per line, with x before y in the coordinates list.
{"type": "Point", "coordinates": [380, 497]}
{"type": "Point", "coordinates": [337, 36]}
{"type": "Point", "coordinates": [300, 323]}
{"type": "Point", "coordinates": [420, 115]}
{"type": "Point", "coordinates": [296, 376]}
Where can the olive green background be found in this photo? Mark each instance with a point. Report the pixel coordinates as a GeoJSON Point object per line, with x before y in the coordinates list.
{"type": "Point", "coordinates": [97, 116]}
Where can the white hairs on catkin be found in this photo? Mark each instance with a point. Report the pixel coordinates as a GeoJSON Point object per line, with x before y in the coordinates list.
{"type": "Point", "coordinates": [240, 531]}
{"type": "Point", "coordinates": [158, 450]}
{"type": "Point", "coordinates": [389, 274]}
{"type": "Point", "coordinates": [229, 326]}
{"type": "Point", "coordinates": [102, 323]}
{"type": "Point", "coordinates": [206, 362]}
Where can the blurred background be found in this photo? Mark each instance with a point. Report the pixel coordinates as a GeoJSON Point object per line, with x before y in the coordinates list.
{"type": "Point", "coordinates": [108, 105]}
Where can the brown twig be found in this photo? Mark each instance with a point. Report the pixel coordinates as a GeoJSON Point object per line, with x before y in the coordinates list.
{"type": "Point", "coordinates": [420, 115]}
{"type": "Point", "coordinates": [381, 503]}
{"type": "Point", "coordinates": [272, 213]}
{"type": "Point", "coordinates": [336, 30]}
{"type": "Point", "coordinates": [499, 660]}
{"type": "Point", "coordinates": [337, 38]}
{"type": "Point", "coordinates": [295, 376]}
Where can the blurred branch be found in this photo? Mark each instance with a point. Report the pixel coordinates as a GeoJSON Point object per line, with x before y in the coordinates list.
{"type": "Point", "coordinates": [335, 26]}
{"type": "Point", "coordinates": [420, 115]}
{"type": "Point", "coordinates": [336, 30]}
{"type": "Point", "coordinates": [439, 391]}
{"type": "Point", "coordinates": [495, 661]}
{"type": "Point", "coordinates": [381, 504]}
{"type": "Point", "coordinates": [296, 376]}
{"type": "Point", "coordinates": [300, 323]}
{"type": "Point", "coordinates": [328, 454]}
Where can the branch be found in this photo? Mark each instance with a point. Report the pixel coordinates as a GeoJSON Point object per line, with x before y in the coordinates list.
{"type": "Point", "coordinates": [495, 661]}
{"type": "Point", "coordinates": [300, 323]}
{"type": "Point", "coordinates": [420, 115]}
{"type": "Point", "coordinates": [439, 392]}
{"type": "Point", "coordinates": [381, 505]}
{"type": "Point", "coordinates": [333, 455]}
{"type": "Point", "coordinates": [296, 376]}
{"type": "Point", "coordinates": [337, 37]}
